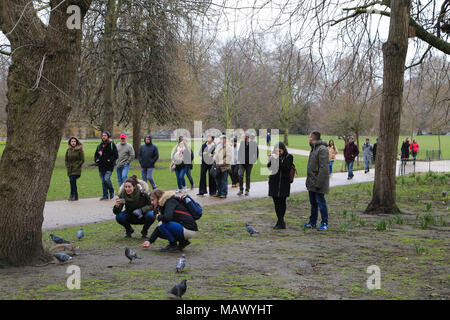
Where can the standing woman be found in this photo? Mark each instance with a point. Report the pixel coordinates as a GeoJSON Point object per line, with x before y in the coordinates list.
{"type": "Point", "coordinates": [280, 163]}
{"type": "Point", "coordinates": [333, 151]}
{"type": "Point", "coordinates": [405, 149]}
{"type": "Point", "coordinates": [181, 157]}
{"type": "Point", "coordinates": [74, 160]}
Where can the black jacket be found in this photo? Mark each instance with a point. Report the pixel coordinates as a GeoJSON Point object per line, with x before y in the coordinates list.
{"type": "Point", "coordinates": [405, 150]}
{"type": "Point", "coordinates": [248, 152]}
{"type": "Point", "coordinates": [148, 154]}
{"type": "Point", "coordinates": [209, 158]}
{"type": "Point", "coordinates": [374, 151]}
{"type": "Point", "coordinates": [279, 185]}
{"type": "Point", "coordinates": [109, 156]}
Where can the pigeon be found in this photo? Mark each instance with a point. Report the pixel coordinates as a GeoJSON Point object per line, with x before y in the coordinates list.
{"type": "Point", "coordinates": [179, 289]}
{"type": "Point", "coordinates": [57, 239]}
{"type": "Point", "coordinates": [80, 234]}
{"type": "Point", "coordinates": [250, 229]}
{"type": "Point", "coordinates": [444, 193]}
{"type": "Point", "coordinates": [62, 257]}
{"type": "Point", "coordinates": [181, 263]}
{"type": "Point", "coordinates": [130, 254]}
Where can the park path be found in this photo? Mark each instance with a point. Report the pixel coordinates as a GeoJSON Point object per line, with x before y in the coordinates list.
{"type": "Point", "coordinates": [62, 213]}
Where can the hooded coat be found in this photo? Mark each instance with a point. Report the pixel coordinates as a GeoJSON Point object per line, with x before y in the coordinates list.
{"type": "Point", "coordinates": [74, 158]}
{"type": "Point", "coordinates": [279, 184]}
{"type": "Point", "coordinates": [172, 209]}
{"type": "Point", "coordinates": [318, 178]}
{"type": "Point", "coordinates": [148, 154]}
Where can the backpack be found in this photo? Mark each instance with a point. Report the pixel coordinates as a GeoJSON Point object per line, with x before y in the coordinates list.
{"type": "Point", "coordinates": [292, 173]}
{"type": "Point", "coordinates": [193, 207]}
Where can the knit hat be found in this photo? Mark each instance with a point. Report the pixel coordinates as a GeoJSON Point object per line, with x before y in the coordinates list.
{"type": "Point", "coordinates": [107, 133]}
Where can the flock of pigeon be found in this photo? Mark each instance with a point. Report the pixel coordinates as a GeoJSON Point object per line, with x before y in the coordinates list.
{"type": "Point", "coordinates": [178, 290]}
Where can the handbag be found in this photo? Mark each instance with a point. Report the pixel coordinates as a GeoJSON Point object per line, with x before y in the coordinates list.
{"type": "Point", "coordinates": [172, 167]}
{"type": "Point", "coordinates": [214, 171]}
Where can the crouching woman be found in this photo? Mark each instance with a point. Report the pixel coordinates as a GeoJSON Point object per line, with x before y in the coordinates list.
{"type": "Point", "coordinates": [176, 224]}
{"type": "Point", "coordinates": [138, 209]}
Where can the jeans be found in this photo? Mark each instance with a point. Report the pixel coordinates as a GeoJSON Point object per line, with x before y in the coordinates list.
{"type": "Point", "coordinates": [317, 200]}
{"type": "Point", "coordinates": [248, 171]}
{"type": "Point", "coordinates": [122, 173]}
{"type": "Point", "coordinates": [189, 176]}
{"type": "Point", "coordinates": [126, 219]}
{"type": "Point", "coordinates": [350, 169]}
{"type": "Point", "coordinates": [331, 166]}
{"type": "Point", "coordinates": [367, 162]}
{"type": "Point", "coordinates": [204, 171]}
{"type": "Point", "coordinates": [222, 183]}
{"type": "Point", "coordinates": [171, 231]}
{"type": "Point", "coordinates": [106, 183]}
{"type": "Point", "coordinates": [73, 184]}
{"type": "Point", "coordinates": [181, 182]}
{"type": "Point", "coordinates": [147, 174]}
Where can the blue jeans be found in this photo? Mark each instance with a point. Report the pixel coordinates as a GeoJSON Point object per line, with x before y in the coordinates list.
{"type": "Point", "coordinates": [147, 174]}
{"type": "Point", "coordinates": [350, 169]}
{"type": "Point", "coordinates": [222, 183]}
{"type": "Point", "coordinates": [106, 183]}
{"type": "Point", "coordinates": [125, 219]}
{"type": "Point", "coordinates": [181, 182]}
{"type": "Point", "coordinates": [331, 166]}
{"type": "Point", "coordinates": [189, 176]}
{"type": "Point", "coordinates": [122, 173]}
{"type": "Point", "coordinates": [172, 231]}
{"type": "Point", "coordinates": [73, 184]}
{"type": "Point", "coordinates": [367, 161]}
{"type": "Point", "coordinates": [317, 200]}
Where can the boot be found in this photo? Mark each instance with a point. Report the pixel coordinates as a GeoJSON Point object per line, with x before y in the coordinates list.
{"type": "Point", "coordinates": [71, 198]}
{"type": "Point", "coordinates": [129, 232]}
{"type": "Point", "coordinates": [183, 244]}
{"type": "Point", "coordinates": [75, 196]}
{"type": "Point", "coordinates": [172, 247]}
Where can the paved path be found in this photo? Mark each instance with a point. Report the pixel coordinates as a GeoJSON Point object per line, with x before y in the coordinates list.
{"type": "Point", "coordinates": [62, 213]}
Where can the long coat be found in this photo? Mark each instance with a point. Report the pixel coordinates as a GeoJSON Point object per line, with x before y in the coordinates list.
{"type": "Point", "coordinates": [318, 178]}
{"type": "Point", "coordinates": [74, 158]}
{"type": "Point", "coordinates": [279, 184]}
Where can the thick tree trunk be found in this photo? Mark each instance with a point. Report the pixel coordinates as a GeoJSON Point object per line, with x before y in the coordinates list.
{"type": "Point", "coordinates": [37, 112]}
{"type": "Point", "coordinates": [137, 117]}
{"type": "Point", "coordinates": [394, 55]}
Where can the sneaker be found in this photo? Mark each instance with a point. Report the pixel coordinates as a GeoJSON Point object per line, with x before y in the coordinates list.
{"type": "Point", "coordinates": [171, 247]}
{"type": "Point", "coordinates": [183, 244]}
{"type": "Point", "coordinates": [222, 196]}
{"type": "Point", "coordinates": [128, 233]}
{"type": "Point", "coordinates": [348, 178]}
{"type": "Point", "coordinates": [309, 225]}
{"type": "Point", "coordinates": [200, 194]}
{"type": "Point", "coordinates": [192, 187]}
{"type": "Point", "coordinates": [178, 191]}
{"type": "Point", "coordinates": [323, 226]}
{"type": "Point", "coordinates": [111, 196]}
{"type": "Point", "coordinates": [185, 190]}
{"type": "Point", "coordinates": [240, 193]}
{"type": "Point", "coordinates": [246, 193]}
{"type": "Point", "coordinates": [144, 235]}
{"type": "Point", "coordinates": [104, 198]}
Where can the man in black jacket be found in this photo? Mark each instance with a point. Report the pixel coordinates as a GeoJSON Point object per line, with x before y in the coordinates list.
{"type": "Point", "coordinates": [205, 153]}
{"type": "Point", "coordinates": [105, 157]}
{"type": "Point", "coordinates": [247, 156]}
{"type": "Point", "coordinates": [148, 155]}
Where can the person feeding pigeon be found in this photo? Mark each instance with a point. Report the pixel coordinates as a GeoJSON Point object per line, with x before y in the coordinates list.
{"type": "Point", "coordinates": [176, 224]}
{"type": "Point", "coordinates": [138, 209]}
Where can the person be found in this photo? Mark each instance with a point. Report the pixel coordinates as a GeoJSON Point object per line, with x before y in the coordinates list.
{"type": "Point", "coordinates": [405, 150]}
{"type": "Point", "coordinates": [182, 157]}
{"type": "Point", "coordinates": [414, 149]}
{"type": "Point", "coordinates": [138, 209]}
{"type": "Point", "coordinates": [126, 156]}
{"type": "Point", "coordinates": [189, 168]}
{"type": "Point", "coordinates": [367, 152]}
{"type": "Point", "coordinates": [206, 152]}
{"type": "Point", "coordinates": [247, 156]}
{"type": "Point", "coordinates": [317, 181]}
{"type": "Point", "coordinates": [223, 155]}
{"type": "Point", "coordinates": [105, 157]}
{"type": "Point", "coordinates": [280, 163]}
{"type": "Point", "coordinates": [374, 151]}
{"type": "Point", "coordinates": [351, 151]}
{"type": "Point", "coordinates": [148, 155]}
{"type": "Point", "coordinates": [268, 138]}
{"type": "Point", "coordinates": [234, 172]}
{"type": "Point", "coordinates": [74, 161]}
{"type": "Point", "coordinates": [175, 224]}
{"type": "Point", "coordinates": [333, 151]}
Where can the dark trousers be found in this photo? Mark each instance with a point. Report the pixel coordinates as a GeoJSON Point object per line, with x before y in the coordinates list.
{"type": "Point", "coordinates": [234, 174]}
{"type": "Point", "coordinates": [247, 168]}
{"type": "Point", "coordinates": [189, 176]}
{"type": "Point", "coordinates": [126, 220]}
{"type": "Point", "coordinates": [280, 207]}
{"type": "Point", "coordinates": [212, 182]}
{"type": "Point", "coordinates": [73, 184]}
{"type": "Point", "coordinates": [317, 201]}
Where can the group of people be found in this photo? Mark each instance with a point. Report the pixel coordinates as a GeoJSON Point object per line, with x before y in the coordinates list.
{"type": "Point", "coordinates": [409, 148]}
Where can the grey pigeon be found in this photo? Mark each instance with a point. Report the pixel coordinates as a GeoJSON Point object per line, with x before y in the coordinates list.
{"type": "Point", "coordinates": [444, 193]}
{"type": "Point", "coordinates": [130, 254]}
{"type": "Point", "coordinates": [62, 257]}
{"type": "Point", "coordinates": [250, 229]}
{"type": "Point", "coordinates": [181, 263]}
{"type": "Point", "coordinates": [58, 240]}
{"type": "Point", "coordinates": [179, 289]}
{"type": "Point", "coordinates": [80, 234]}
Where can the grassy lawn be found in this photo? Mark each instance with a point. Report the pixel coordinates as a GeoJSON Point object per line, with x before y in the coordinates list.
{"type": "Point", "coordinates": [224, 262]}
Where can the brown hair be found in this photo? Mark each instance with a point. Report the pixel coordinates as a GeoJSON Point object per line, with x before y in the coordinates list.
{"type": "Point", "coordinates": [157, 193]}
{"type": "Point", "coordinates": [133, 180]}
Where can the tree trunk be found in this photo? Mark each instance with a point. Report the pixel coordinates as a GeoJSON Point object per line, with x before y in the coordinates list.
{"type": "Point", "coordinates": [394, 55]}
{"type": "Point", "coordinates": [37, 113]}
{"type": "Point", "coordinates": [137, 117]}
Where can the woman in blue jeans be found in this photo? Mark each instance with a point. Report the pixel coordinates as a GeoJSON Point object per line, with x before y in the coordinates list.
{"type": "Point", "coordinates": [182, 157]}
{"type": "Point", "coordinates": [176, 224]}
{"type": "Point", "coordinates": [138, 209]}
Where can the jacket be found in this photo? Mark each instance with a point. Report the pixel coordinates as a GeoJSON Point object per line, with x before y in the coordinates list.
{"type": "Point", "coordinates": [74, 158]}
{"type": "Point", "coordinates": [374, 151]}
{"type": "Point", "coordinates": [126, 154]}
{"type": "Point", "coordinates": [136, 200]}
{"type": "Point", "coordinates": [414, 147]}
{"type": "Point", "coordinates": [405, 150]}
{"type": "Point", "coordinates": [182, 156]}
{"type": "Point", "coordinates": [351, 151]}
{"type": "Point", "coordinates": [148, 154]}
{"type": "Point", "coordinates": [333, 152]}
{"type": "Point", "coordinates": [248, 152]}
{"type": "Point", "coordinates": [279, 184]}
{"type": "Point", "coordinates": [367, 150]}
{"type": "Point", "coordinates": [109, 155]}
{"type": "Point", "coordinates": [317, 176]}
{"type": "Point", "coordinates": [223, 156]}
{"type": "Point", "coordinates": [209, 156]}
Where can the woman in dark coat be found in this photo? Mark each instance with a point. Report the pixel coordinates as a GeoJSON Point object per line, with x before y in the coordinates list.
{"type": "Point", "coordinates": [405, 149]}
{"type": "Point", "coordinates": [280, 163]}
{"type": "Point", "coordinates": [74, 161]}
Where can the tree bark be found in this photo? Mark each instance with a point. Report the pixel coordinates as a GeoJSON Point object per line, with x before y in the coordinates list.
{"type": "Point", "coordinates": [394, 56]}
{"type": "Point", "coordinates": [137, 116]}
{"type": "Point", "coordinates": [39, 103]}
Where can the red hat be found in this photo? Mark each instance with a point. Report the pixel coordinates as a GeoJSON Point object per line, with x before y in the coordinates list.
{"type": "Point", "coordinates": [123, 135]}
